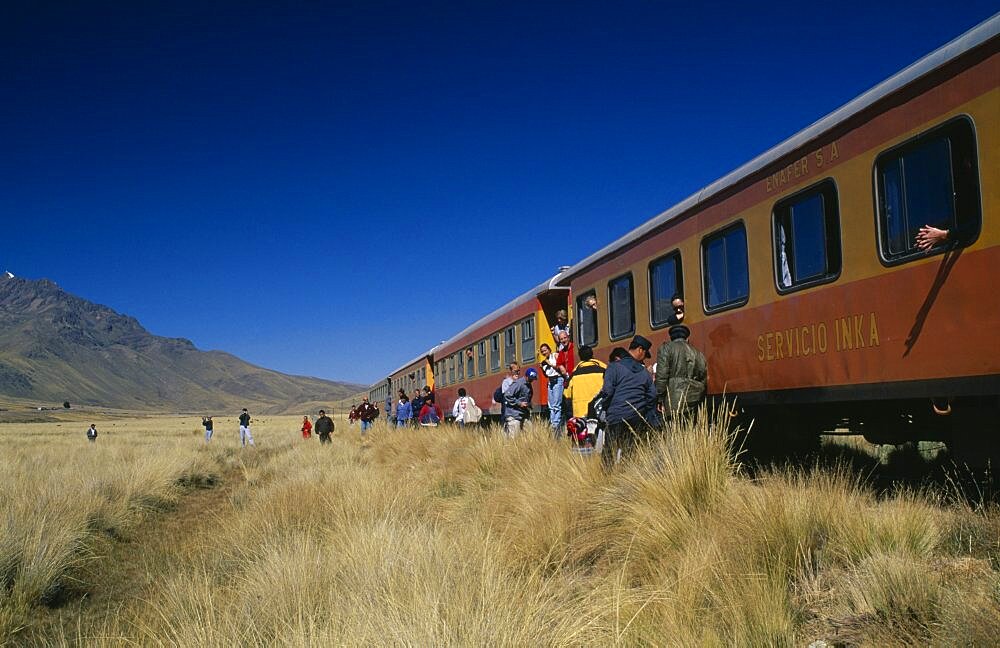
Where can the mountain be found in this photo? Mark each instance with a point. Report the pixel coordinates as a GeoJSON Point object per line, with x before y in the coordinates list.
{"type": "Point", "coordinates": [57, 347]}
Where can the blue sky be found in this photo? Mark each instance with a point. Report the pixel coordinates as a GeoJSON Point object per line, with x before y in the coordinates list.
{"type": "Point", "coordinates": [330, 188]}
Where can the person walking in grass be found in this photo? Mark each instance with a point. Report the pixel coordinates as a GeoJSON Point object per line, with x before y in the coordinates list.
{"type": "Point", "coordinates": [245, 435]}
{"type": "Point", "coordinates": [307, 427]}
{"type": "Point", "coordinates": [367, 413]}
{"type": "Point", "coordinates": [207, 422]}
{"type": "Point", "coordinates": [324, 427]}
{"type": "Point", "coordinates": [404, 410]}
{"type": "Point", "coordinates": [517, 400]}
{"type": "Point", "coordinates": [92, 433]}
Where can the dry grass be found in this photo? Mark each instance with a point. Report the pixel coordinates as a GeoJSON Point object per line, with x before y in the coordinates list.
{"type": "Point", "coordinates": [452, 537]}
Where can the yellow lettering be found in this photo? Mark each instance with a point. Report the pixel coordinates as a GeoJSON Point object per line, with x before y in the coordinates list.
{"type": "Point", "coordinates": [779, 344]}
{"type": "Point", "coordinates": [797, 168]}
{"type": "Point", "coordinates": [821, 337]}
{"type": "Point", "coordinates": [767, 183]}
{"type": "Point", "coordinates": [760, 348]}
{"type": "Point", "coordinates": [819, 158]}
{"type": "Point", "coordinates": [805, 165]}
{"type": "Point", "coordinates": [788, 343]}
{"type": "Point", "coordinates": [847, 336]}
{"type": "Point", "coordinates": [859, 320]}
{"type": "Point", "coordinates": [805, 349]}
{"type": "Point", "coordinates": [834, 152]}
{"type": "Point", "coordinates": [768, 341]}
{"type": "Point", "coordinates": [873, 332]}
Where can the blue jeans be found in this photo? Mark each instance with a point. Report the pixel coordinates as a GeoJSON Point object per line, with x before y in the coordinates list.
{"type": "Point", "coordinates": [555, 402]}
{"type": "Point", "coordinates": [365, 425]}
{"type": "Point", "coordinates": [402, 423]}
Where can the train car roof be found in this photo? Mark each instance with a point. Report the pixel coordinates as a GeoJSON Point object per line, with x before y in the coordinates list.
{"type": "Point", "coordinates": [414, 361]}
{"type": "Point", "coordinates": [545, 286]}
{"type": "Point", "coordinates": [971, 39]}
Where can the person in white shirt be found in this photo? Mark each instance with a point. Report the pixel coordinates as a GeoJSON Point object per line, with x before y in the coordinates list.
{"type": "Point", "coordinates": [461, 405]}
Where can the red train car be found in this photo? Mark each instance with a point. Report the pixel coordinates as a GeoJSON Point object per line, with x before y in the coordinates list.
{"type": "Point", "coordinates": [477, 357]}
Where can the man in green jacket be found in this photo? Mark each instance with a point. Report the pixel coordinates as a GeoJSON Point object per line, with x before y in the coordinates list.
{"type": "Point", "coordinates": [681, 374]}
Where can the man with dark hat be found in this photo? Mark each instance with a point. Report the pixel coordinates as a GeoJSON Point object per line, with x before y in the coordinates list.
{"type": "Point", "coordinates": [630, 401]}
{"type": "Point", "coordinates": [681, 374]}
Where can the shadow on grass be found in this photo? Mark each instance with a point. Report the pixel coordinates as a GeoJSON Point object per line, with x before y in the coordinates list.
{"type": "Point", "coordinates": [925, 467]}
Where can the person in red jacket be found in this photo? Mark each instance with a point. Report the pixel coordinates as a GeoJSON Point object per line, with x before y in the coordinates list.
{"type": "Point", "coordinates": [307, 427]}
{"type": "Point", "coordinates": [430, 414]}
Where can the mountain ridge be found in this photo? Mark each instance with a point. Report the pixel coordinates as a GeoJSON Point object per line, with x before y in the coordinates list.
{"type": "Point", "coordinates": [56, 346]}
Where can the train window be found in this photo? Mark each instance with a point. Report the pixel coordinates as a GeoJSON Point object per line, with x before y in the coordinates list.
{"type": "Point", "coordinates": [495, 352]}
{"type": "Point", "coordinates": [482, 358]}
{"type": "Point", "coordinates": [930, 180]}
{"type": "Point", "coordinates": [510, 346]}
{"type": "Point", "coordinates": [806, 230]}
{"type": "Point", "coordinates": [622, 311]}
{"type": "Point", "coordinates": [528, 340]}
{"type": "Point", "coordinates": [725, 269]}
{"type": "Point", "coordinates": [470, 363]}
{"type": "Point", "coordinates": [665, 283]}
{"type": "Point", "coordinates": [586, 308]}
{"type": "Point", "coordinates": [461, 367]}
{"type": "Point", "coordinates": [451, 370]}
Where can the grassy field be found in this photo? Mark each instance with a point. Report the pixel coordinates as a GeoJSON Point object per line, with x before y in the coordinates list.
{"type": "Point", "coordinates": [448, 537]}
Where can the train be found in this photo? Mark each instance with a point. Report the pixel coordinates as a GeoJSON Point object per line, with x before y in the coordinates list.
{"type": "Point", "coordinates": [805, 286]}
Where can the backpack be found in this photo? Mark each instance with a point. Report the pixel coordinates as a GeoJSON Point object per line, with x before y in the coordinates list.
{"type": "Point", "coordinates": [472, 412]}
{"type": "Point", "coordinates": [498, 395]}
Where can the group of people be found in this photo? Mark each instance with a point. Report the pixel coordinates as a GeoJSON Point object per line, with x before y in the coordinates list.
{"type": "Point", "coordinates": [421, 409]}
{"type": "Point", "coordinates": [631, 399]}
{"type": "Point", "coordinates": [365, 415]}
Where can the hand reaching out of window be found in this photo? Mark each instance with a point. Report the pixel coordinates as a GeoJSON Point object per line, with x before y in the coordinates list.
{"type": "Point", "coordinates": [928, 237]}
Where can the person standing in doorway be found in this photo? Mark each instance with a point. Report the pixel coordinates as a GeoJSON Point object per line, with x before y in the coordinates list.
{"type": "Point", "coordinates": [245, 435]}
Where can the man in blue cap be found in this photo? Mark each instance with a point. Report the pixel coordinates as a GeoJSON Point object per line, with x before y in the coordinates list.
{"type": "Point", "coordinates": [630, 401]}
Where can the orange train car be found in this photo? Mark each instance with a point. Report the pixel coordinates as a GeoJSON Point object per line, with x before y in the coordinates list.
{"type": "Point", "coordinates": [477, 357]}
{"type": "Point", "coordinates": [803, 280]}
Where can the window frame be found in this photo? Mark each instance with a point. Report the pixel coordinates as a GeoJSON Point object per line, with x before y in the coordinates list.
{"type": "Point", "coordinates": [718, 233]}
{"type": "Point", "coordinates": [913, 142]}
{"type": "Point", "coordinates": [481, 361]}
{"type": "Point", "coordinates": [816, 188]}
{"type": "Point", "coordinates": [631, 279]}
{"type": "Point", "coordinates": [510, 332]}
{"type": "Point", "coordinates": [580, 308]}
{"type": "Point", "coordinates": [679, 272]}
{"type": "Point", "coordinates": [496, 356]}
{"type": "Point", "coordinates": [528, 350]}
{"type": "Point", "coordinates": [460, 366]}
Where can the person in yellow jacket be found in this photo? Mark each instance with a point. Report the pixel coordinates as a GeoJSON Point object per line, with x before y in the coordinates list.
{"type": "Point", "coordinates": [588, 377]}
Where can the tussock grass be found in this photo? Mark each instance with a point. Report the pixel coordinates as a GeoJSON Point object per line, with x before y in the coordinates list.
{"type": "Point", "coordinates": [454, 536]}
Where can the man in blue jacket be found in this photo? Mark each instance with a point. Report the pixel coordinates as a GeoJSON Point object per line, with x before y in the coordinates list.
{"type": "Point", "coordinates": [630, 401]}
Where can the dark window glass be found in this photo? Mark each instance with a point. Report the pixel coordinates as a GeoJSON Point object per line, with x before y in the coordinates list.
{"type": "Point", "coordinates": [664, 284]}
{"type": "Point", "coordinates": [622, 301]}
{"type": "Point", "coordinates": [807, 237]}
{"type": "Point", "coordinates": [932, 180]}
{"type": "Point", "coordinates": [482, 358]}
{"type": "Point", "coordinates": [726, 273]}
{"type": "Point", "coordinates": [586, 316]}
{"type": "Point", "coordinates": [528, 340]}
{"type": "Point", "coordinates": [495, 352]}
{"type": "Point", "coordinates": [461, 366]}
{"type": "Point", "coordinates": [451, 370]}
{"type": "Point", "coordinates": [470, 362]}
